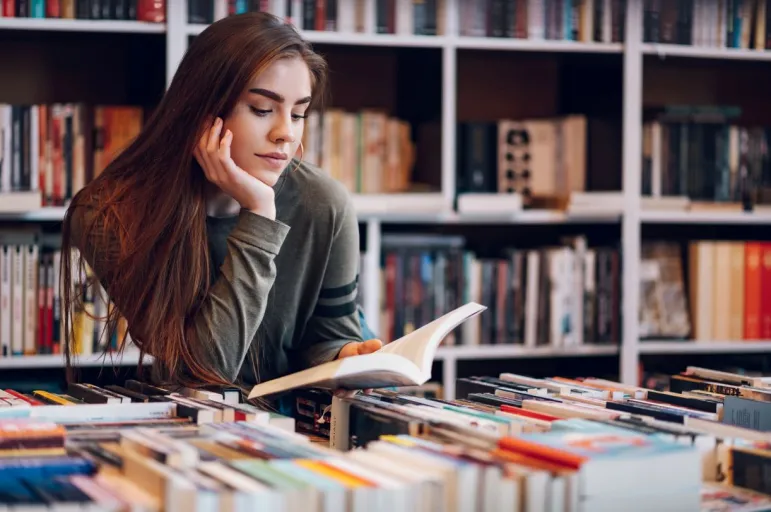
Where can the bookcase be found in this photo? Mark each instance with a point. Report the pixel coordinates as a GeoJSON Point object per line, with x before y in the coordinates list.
{"type": "Point", "coordinates": [447, 78]}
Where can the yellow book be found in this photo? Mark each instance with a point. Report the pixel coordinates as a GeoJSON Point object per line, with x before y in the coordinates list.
{"type": "Point", "coordinates": [346, 479]}
{"type": "Point", "coordinates": [51, 398]}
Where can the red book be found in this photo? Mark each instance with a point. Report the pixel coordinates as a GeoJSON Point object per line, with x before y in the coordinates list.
{"type": "Point", "coordinates": [153, 11]}
{"type": "Point", "coordinates": [765, 291]}
{"type": "Point", "coordinates": [8, 8]}
{"type": "Point", "coordinates": [27, 399]}
{"type": "Point", "coordinates": [528, 414]}
{"type": "Point", "coordinates": [752, 290]}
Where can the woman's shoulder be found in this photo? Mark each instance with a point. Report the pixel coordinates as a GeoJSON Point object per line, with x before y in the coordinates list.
{"type": "Point", "coordinates": [317, 190]}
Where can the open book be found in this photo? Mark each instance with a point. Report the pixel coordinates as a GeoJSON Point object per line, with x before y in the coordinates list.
{"type": "Point", "coordinates": [403, 362]}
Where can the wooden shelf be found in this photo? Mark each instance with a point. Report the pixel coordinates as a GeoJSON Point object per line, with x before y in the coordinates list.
{"type": "Point", "coordinates": [518, 351]}
{"type": "Point", "coordinates": [703, 52]}
{"type": "Point", "coordinates": [47, 213]}
{"type": "Point", "coordinates": [534, 45]}
{"type": "Point", "coordinates": [66, 25]}
{"type": "Point", "coordinates": [397, 208]}
{"type": "Point", "coordinates": [128, 358]}
{"type": "Point", "coordinates": [704, 347]}
{"type": "Point", "coordinates": [703, 217]}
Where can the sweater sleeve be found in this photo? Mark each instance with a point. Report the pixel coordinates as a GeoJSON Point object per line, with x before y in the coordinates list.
{"type": "Point", "coordinates": [228, 318]}
{"type": "Point", "coordinates": [230, 315]}
{"type": "Point", "coordinates": [335, 319]}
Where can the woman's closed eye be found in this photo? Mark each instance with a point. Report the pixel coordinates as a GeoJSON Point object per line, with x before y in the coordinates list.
{"type": "Point", "coordinates": [263, 112]}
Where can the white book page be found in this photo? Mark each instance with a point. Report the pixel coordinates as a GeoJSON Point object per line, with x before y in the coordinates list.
{"type": "Point", "coordinates": [420, 345]}
{"type": "Point", "coordinates": [374, 370]}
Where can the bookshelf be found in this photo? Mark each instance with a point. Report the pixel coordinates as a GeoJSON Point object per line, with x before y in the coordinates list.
{"type": "Point", "coordinates": [74, 25]}
{"type": "Point", "coordinates": [128, 358]}
{"type": "Point", "coordinates": [381, 214]}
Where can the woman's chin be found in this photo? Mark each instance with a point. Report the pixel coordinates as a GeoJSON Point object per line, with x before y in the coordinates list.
{"type": "Point", "coordinates": [268, 176]}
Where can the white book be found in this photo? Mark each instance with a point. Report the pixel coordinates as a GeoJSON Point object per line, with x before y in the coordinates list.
{"type": "Point", "coordinates": [30, 298]}
{"type": "Point", "coordinates": [5, 148]}
{"type": "Point", "coordinates": [82, 413]}
{"type": "Point", "coordinates": [5, 300]}
{"type": "Point", "coordinates": [17, 299]}
{"type": "Point", "coordinates": [404, 362]}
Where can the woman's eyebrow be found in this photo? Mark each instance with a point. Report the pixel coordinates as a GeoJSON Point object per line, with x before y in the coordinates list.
{"type": "Point", "coordinates": [276, 96]}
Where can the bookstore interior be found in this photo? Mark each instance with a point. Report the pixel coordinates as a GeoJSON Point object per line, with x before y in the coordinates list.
{"type": "Point", "coordinates": [552, 339]}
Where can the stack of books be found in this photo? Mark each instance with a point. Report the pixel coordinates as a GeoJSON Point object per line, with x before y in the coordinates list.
{"type": "Point", "coordinates": [510, 442]}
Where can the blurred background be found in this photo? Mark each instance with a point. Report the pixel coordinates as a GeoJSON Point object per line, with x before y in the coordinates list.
{"type": "Point", "coordinates": [596, 172]}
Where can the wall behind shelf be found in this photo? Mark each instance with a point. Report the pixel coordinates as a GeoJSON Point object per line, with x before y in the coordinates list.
{"type": "Point", "coordinates": [709, 82]}
{"type": "Point", "coordinates": [403, 82]}
{"type": "Point", "coordinates": [506, 85]}
{"type": "Point", "coordinates": [531, 85]}
{"type": "Point", "coordinates": [28, 379]}
{"type": "Point", "coordinates": [49, 67]}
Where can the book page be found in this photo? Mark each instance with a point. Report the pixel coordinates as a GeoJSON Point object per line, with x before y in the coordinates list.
{"type": "Point", "coordinates": [420, 345]}
{"type": "Point", "coordinates": [374, 370]}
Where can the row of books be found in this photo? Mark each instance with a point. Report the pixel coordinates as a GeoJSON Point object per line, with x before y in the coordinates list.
{"type": "Point", "coordinates": [706, 290]}
{"type": "Point", "coordinates": [542, 160]}
{"type": "Point", "coordinates": [580, 444]}
{"type": "Point", "coordinates": [730, 289]}
{"type": "Point", "coordinates": [511, 442]}
{"type": "Point", "coordinates": [423, 17]}
{"type": "Point", "coordinates": [153, 11]}
{"type": "Point", "coordinates": [709, 23]}
{"type": "Point", "coordinates": [368, 151]}
{"type": "Point", "coordinates": [31, 319]}
{"type": "Point", "coordinates": [55, 149]}
{"type": "Point", "coordinates": [180, 404]}
{"type": "Point", "coordinates": [559, 296]}
{"type": "Point", "coordinates": [700, 154]}
{"type": "Point", "coordinates": [599, 21]}
{"type": "Point", "coordinates": [588, 21]}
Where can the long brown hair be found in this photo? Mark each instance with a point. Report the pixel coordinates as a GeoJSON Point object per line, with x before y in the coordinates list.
{"type": "Point", "coordinates": [149, 202]}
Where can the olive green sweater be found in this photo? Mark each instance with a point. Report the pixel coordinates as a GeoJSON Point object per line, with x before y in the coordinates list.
{"type": "Point", "coordinates": [288, 284]}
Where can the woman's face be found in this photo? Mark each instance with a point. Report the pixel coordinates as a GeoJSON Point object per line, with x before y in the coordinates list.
{"type": "Point", "coordinates": [268, 119]}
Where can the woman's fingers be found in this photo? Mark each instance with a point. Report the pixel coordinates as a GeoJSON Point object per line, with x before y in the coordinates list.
{"type": "Point", "coordinates": [209, 148]}
{"type": "Point", "coordinates": [369, 346]}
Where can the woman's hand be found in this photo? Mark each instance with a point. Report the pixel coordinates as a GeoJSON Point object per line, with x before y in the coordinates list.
{"type": "Point", "coordinates": [358, 348]}
{"type": "Point", "coordinates": [213, 154]}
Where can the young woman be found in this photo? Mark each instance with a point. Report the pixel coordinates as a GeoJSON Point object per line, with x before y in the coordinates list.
{"type": "Point", "coordinates": [230, 258]}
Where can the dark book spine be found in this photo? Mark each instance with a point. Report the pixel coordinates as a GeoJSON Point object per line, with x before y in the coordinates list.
{"type": "Point", "coordinates": [646, 411]}
{"type": "Point", "coordinates": [22, 8]}
{"type": "Point", "coordinates": [510, 18]}
{"type": "Point", "coordinates": [768, 24]}
{"type": "Point", "coordinates": [419, 17]}
{"type": "Point", "coordinates": [330, 23]}
{"type": "Point", "coordinates": [26, 144]}
{"type": "Point", "coordinates": [67, 147]}
{"type": "Point", "coordinates": [309, 14]}
{"type": "Point", "coordinates": [684, 401]}
{"type": "Point", "coordinates": [133, 395]}
{"type": "Point", "coordinates": [751, 470]}
{"type": "Point", "coordinates": [430, 26]}
{"type": "Point", "coordinates": [97, 11]}
{"type": "Point", "coordinates": [743, 412]}
{"type": "Point", "coordinates": [16, 147]}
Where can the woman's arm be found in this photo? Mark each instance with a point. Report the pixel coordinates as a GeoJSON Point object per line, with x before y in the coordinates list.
{"type": "Point", "coordinates": [335, 319]}
{"type": "Point", "coordinates": [229, 316]}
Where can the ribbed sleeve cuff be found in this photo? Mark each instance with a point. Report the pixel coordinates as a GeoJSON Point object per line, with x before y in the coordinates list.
{"type": "Point", "coordinates": [260, 231]}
